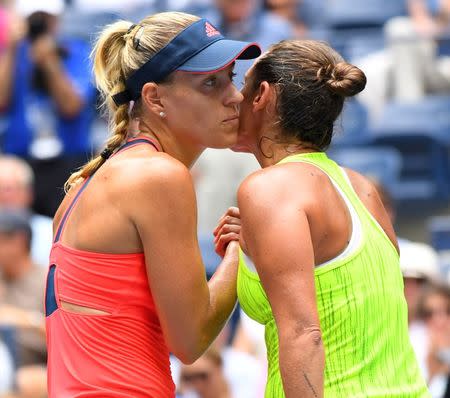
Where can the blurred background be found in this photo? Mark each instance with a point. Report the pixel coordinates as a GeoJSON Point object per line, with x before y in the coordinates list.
{"type": "Point", "coordinates": [397, 132]}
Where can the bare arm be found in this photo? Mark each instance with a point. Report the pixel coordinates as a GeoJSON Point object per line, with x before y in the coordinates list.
{"type": "Point", "coordinates": [422, 18]}
{"type": "Point", "coordinates": [67, 99]}
{"type": "Point", "coordinates": [192, 312]}
{"type": "Point", "coordinates": [7, 62]}
{"type": "Point", "coordinates": [16, 31]}
{"type": "Point", "coordinates": [276, 232]}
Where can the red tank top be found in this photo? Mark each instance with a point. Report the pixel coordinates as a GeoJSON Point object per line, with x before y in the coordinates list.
{"type": "Point", "coordinates": [120, 354]}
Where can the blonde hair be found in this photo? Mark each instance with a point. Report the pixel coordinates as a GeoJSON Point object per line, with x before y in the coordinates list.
{"type": "Point", "coordinates": [121, 49]}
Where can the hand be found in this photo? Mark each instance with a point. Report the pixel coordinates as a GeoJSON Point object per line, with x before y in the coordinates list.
{"type": "Point", "coordinates": [227, 230]}
{"type": "Point", "coordinates": [17, 28]}
{"type": "Point", "coordinates": [44, 50]}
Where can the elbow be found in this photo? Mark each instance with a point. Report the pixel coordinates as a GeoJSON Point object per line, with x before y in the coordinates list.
{"type": "Point", "coordinates": [4, 105]}
{"type": "Point", "coordinates": [310, 337]}
{"type": "Point", "coordinates": [187, 355]}
{"type": "Point", "coordinates": [71, 109]}
{"type": "Point", "coordinates": [70, 112]}
{"type": "Point", "coordinates": [189, 350]}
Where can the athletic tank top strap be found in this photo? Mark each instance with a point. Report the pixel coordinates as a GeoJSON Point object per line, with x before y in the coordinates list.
{"type": "Point", "coordinates": [129, 144]}
{"type": "Point", "coordinates": [132, 142]}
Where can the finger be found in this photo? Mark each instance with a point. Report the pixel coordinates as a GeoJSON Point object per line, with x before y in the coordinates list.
{"type": "Point", "coordinates": [231, 212]}
{"type": "Point", "coordinates": [226, 220]}
{"type": "Point", "coordinates": [227, 228]}
{"type": "Point", "coordinates": [220, 247]}
{"type": "Point", "coordinates": [225, 239]}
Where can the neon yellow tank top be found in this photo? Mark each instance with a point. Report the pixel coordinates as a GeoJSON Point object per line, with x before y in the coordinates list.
{"type": "Point", "coordinates": [362, 311]}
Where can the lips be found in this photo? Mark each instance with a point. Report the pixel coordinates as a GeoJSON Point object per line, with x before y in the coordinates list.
{"type": "Point", "coordinates": [231, 118]}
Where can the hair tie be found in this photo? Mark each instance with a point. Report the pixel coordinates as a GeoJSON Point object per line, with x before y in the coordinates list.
{"type": "Point", "coordinates": [131, 28]}
{"type": "Point", "coordinates": [106, 153]}
{"type": "Point", "coordinates": [137, 37]}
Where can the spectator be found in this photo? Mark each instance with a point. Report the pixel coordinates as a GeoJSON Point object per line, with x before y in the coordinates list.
{"type": "Point", "coordinates": [410, 67]}
{"type": "Point", "coordinates": [419, 265]}
{"type": "Point", "coordinates": [243, 373]}
{"type": "Point", "coordinates": [205, 377]}
{"type": "Point", "coordinates": [417, 68]}
{"type": "Point", "coordinates": [21, 302]}
{"type": "Point", "coordinates": [288, 10]}
{"type": "Point", "coordinates": [46, 96]}
{"type": "Point", "coordinates": [247, 20]}
{"type": "Point", "coordinates": [435, 310]}
{"type": "Point", "coordinates": [17, 192]}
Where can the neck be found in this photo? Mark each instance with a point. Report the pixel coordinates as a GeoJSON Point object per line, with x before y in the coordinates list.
{"type": "Point", "coordinates": [183, 150]}
{"type": "Point", "coordinates": [269, 152]}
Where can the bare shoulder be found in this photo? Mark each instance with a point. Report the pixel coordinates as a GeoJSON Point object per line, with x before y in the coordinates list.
{"type": "Point", "coordinates": [368, 194]}
{"type": "Point", "coordinates": [280, 181]}
{"type": "Point", "coordinates": [145, 175]}
{"type": "Point", "coordinates": [361, 184]}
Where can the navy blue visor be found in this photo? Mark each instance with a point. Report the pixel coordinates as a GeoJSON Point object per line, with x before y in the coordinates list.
{"type": "Point", "coordinates": [200, 48]}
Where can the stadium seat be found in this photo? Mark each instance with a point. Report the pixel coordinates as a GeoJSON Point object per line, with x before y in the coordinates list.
{"type": "Point", "coordinates": [351, 128]}
{"type": "Point", "coordinates": [8, 337]}
{"type": "Point", "coordinates": [431, 114]}
{"type": "Point", "coordinates": [85, 25]}
{"type": "Point", "coordinates": [439, 230]}
{"type": "Point", "coordinates": [381, 163]}
{"type": "Point", "coordinates": [357, 13]}
{"type": "Point", "coordinates": [424, 176]}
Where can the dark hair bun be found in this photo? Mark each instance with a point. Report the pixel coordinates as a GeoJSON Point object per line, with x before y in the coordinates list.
{"type": "Point", "coordinates": [346, 80]}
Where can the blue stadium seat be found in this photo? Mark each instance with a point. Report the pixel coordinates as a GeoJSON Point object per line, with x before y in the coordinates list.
{"type": "Point", "coordinates": [84, 25]}
{"type": "Point", "coordinates": [443, 44]}
{"type": "Point", "coordinates": [424, 176]}
{"type": "Point", "coordinates": [357, 13]}
{"type": "Point", "coordinates": [351, 128]}
{"type": "Point", "coordinates": [8, 336]}
{"type": "Point", "coordinates": [381, 163]}
{"type": "Point", "coordinates": [431, 114]}
{"type": "Point", "coordinates": [439, 230]}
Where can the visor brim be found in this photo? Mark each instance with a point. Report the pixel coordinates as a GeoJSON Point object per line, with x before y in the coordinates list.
{"type": "Point", "coordinates": [219, 55]}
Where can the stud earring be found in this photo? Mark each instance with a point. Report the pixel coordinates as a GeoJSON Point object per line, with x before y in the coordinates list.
{"type": "Point", "coordinates": [162, 114]}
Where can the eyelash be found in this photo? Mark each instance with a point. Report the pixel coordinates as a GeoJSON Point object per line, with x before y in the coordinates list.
{"type": "Point", "coordinates": [212, 81]}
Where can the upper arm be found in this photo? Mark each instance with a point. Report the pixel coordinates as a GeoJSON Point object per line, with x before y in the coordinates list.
{"type": "Point", "coordinates": [165, 218]}
{"type": "Point", "coordinates": [277, 235]}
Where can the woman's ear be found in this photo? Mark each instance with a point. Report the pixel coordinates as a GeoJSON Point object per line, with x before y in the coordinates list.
{"type": "Point", "coordinates": [263, 96]}
{"type": "Point", "coordinates": [150, 96]}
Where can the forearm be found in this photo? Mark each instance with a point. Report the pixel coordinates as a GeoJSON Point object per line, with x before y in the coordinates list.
{"type": "Point", "coordinates": [222, 288]}
{"type": "Point", "coordinates": [67, 100]}
{"type": "Point", "coordinates": [302, 362]}
{"type": "Point", "coordinates": [7, 62]}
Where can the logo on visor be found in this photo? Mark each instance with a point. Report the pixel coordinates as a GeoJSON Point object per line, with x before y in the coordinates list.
{"type": "Point", "coordinates": [211, 30]}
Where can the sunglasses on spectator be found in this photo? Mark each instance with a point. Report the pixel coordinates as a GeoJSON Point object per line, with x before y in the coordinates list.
{"type": "Point", "coordinates": [429, 313]}
{"type": "Point", "coordinates": [195, 376]}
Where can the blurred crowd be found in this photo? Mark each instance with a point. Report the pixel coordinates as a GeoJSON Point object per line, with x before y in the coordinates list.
{"type": "Point", "coordinates": [50, 125]}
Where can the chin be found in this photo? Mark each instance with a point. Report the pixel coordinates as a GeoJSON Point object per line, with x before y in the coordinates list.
{"type": "Point", "coordinates": [226, 140]}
